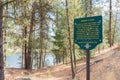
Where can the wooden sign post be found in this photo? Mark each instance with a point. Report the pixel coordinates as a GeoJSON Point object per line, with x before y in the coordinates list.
{"type": "Point", "coordinates": [88, 34]}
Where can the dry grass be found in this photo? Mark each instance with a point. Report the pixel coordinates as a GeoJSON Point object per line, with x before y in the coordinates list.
{"type": "Point", "coordinates": [106, 69]}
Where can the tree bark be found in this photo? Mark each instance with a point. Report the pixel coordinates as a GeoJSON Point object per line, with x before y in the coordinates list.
{"type": "Point", "coordinates": [41, 34]}
{"type": "Point", "coordinates": [5, 33]}
{"type": "Point", "coordinates": [66, 56]}
{"type": "Point", "coordinates": [1, 47]}
{"type": "Point", "coordinates": [30, 38]}
{"type": "Point", "coordinates": [25, 48]}
{"type": "Point", "coordinates": [109, 34]}
{"type": "Point", "coordinates": [63, 58]}
{"type": "Point", "coordinates": [23, 56]}
{"type": "Point", "coordinates": [74, 56]}
{"type": "Point", "coordinates": [69, 35]}
{"type": "Point", "coordinates": [25, 43]}
{"type": "Point", "coordinates": [114, 30]}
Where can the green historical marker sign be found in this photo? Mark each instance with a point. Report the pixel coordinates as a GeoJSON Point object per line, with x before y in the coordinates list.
{"type": "Point", "coordinates": [88, 32]}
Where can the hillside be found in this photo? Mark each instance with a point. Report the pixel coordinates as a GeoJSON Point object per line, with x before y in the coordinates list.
{"type": "Point", "coordinates": [104, 66]}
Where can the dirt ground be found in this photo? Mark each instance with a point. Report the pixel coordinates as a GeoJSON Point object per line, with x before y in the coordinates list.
{"type": "Point", "coordinates": [105, 66]}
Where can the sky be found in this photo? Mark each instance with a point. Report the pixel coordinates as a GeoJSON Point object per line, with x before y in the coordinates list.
{"type": "Point", "coordinates": [105, 5]}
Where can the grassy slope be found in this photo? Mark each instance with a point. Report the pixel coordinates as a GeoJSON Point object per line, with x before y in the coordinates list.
{"type": "Point", "coordinates": [105, 66]}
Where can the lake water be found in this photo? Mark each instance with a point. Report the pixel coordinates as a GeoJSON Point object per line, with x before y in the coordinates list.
{"type": "Point", "coordinates": [14, 61]}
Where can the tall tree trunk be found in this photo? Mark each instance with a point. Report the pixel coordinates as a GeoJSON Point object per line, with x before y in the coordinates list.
{"type": "Point", "coordinates": [4, 36]}
{"type": "Point", "coordinates": [74, 56]}
{"type": "Point", "coordinates": [66, 56]}
{"type": "Point", "coordinates": [23, 55]}
{"type": "Point", "coordinates": [41, 58]}
{"type": "Point", "coordinates": [1, 47]}
{"type": "Point", "coordinates": [41, 34]}
{"type": "Point", "coordinates": [25, 48]}
{"type": "Point", "coordinates": [4, 47]}
{"type": "Point", "coordinates": [63, 57]}
{"type": "Point", "coordinates": [45, 51]}
{"type": "Point", "coordinates": [69, 35]}
{"type": "Point", "coordinates": [114, 30]}
{"type": "Point", "coordinates": [41, 42]}
{"type": "Point", "coordinates": [110, 16]}
{"type": "Point", "coordinates": [25, 43]}
{"type": "Point", "coordinates": [31, 38]}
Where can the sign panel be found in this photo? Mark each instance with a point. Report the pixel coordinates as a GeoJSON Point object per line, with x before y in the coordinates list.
{"type": "Point", "coordinates": [88, 32]}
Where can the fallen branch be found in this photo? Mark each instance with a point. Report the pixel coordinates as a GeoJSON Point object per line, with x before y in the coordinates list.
{"type": "Point", "coordinates": [91, 63]}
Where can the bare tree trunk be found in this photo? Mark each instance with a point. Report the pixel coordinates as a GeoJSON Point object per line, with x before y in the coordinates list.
{"type": "Point", "coordinates": [41, 59]}
{"type": "Point", "coordinates": [41, 34]}
{"type": "Point", "coordinates": [63, 57]}
{"type": "Point", "coordinates": [69, 35]}
{"type": "Point", "coordinates": [38, 61]}
{"type": "Point", "coordinates": [110, 32]}
{"type": "Point", "coordinates": [25, 44]}
{"type": "Point", "coordinates": [45, 51]}
{"type": "Point", "coordinates": [30, 38]}
{"type": "Point", "coordinates": [5, 48]}
{"type": "Point", "coordinates": [25, 49]}
{"type": "Point", "coordinates": [41, 45]}
{"type": "Point", "coordinates": [1, 47]}
{"type": "Point", "coordinates": [74, 56]}
{"type": "Point", "coordinates": [4, 36]}
{"type": "Point", "coordinates": [23, 56]}
{"type": "Point", "coordinates": [114, 30]}
{"type": "Point", "coordinates": [66, 56]}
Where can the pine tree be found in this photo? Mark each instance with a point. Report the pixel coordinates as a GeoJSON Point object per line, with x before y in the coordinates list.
{"type": "Point", "coordinates": [1, 46]}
